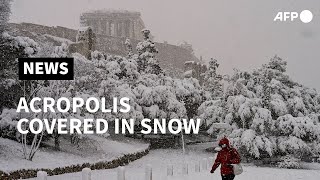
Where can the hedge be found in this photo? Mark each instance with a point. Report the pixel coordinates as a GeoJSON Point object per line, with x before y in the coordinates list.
{"type": "Point", "coordinates": [31, 173]}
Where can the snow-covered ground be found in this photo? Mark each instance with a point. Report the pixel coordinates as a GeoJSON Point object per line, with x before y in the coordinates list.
{"type": "Point", "coordinates": [93, 149]}
{"type": "Point", "coordinates": [160, 159]}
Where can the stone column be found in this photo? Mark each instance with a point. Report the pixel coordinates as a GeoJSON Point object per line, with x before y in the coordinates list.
{"type": "Point", "coordinates": [119, 29]}
{"type": "Point", "coordinates": [98, 27]}
{"type": "Point", "coordinates": [127, 26]}
{"type": "Point", "coordinates": [116, 28]}
{"type": "Point", "coordinates": [112, 28]}
{"type": "Point", "coordinates": [103, 26]}
{"type": "Point", "coordinates": [132, 30]}
{"type": "Point", "coordinates": [108, 28]}
{"type": "Point", "coordinates": [123, 28]}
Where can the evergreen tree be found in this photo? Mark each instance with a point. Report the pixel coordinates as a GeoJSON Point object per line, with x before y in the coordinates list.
{"type": "Point", "coordinates": [213, 80]}
{"type": "Point", "coordinates": [129, 48]}
{"type": "Point", "coordinates": [146, 49]}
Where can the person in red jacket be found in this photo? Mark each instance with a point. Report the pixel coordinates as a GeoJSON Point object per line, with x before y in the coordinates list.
{"type": "Point", "coordinates": [226, 156]}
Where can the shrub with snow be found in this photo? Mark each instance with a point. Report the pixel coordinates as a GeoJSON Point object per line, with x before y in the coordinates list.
{"type": "Point", "coordinates": [289, 162]}
{"type": "Point", "coordinates": [8, 122]}
{"type": "Point", "coordinates": [270, 114]}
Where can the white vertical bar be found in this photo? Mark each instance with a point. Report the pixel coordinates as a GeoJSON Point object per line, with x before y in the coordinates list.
{"type": "Point", "coordinates": [121, 173]}
{"type": "Point", "coordinates": [42, 175]}
{"type": "Point", "coordinates": [170, 170]}
{"type": "Point", "coordinates": [185, 169]}
{"type": "Point", "coordinates": [86, 174]}
{"type": "Point", "coordinates": [210, 162]}
{"type": "Point", "coordinates": [204, 164]}
{"type": "Point", "coordinates": [148, 175]}
{"type": "Point", "coordinates": [197, 166]}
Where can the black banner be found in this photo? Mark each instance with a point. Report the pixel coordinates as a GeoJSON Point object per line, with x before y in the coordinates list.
{"type": "Point", "coordinates": [46, 68]}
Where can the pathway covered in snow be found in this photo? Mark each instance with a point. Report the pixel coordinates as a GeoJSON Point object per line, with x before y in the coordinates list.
{"type": "Point", "coordinates": [160, 159]}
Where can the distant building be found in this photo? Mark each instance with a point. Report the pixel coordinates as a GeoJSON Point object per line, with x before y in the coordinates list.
{"type": "Point", "coordinates": [116, 23]}
{"type": "Point", "coordinates": [106, 31]}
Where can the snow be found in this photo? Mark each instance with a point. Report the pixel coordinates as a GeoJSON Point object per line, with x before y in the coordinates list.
{"type": "Point", "coordinates": [160, 159]}
{"type": "Point", "coordinates": [292, 143]}
{"type": "Point", "coordinates": [188, 62]}
{"type": "Point", "coordinates": [29, 45]}
{"type": "Point", "coordinates": [279, 107]}
{"type": "Point", "coordinates": [265, 109]}
{"type": "Point", "coordinates": [188, 73]}
{"type": "Point", "coordinates": [94, 149]}
{"type": "Point", "coordinates": [83, 29]}
{"type": "Point", "coordinates": [7, 118]}
{"type": "Point", "coordinates": [58, 39]}
{"type": "Point", "coordinates": [61, 51]}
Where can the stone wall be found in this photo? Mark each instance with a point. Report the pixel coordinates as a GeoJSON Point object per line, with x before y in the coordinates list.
{"type": "Point", "coordinates": [171, 58]}
{"type": "Point", "coordinates": [28, 29]}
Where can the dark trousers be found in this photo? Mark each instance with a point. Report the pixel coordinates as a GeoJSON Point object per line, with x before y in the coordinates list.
{"type": "Point", "coordinates": [228, 177]}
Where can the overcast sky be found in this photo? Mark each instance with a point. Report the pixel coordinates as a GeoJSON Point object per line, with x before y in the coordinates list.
{"type": "Point", "coordinates": [239, 34]}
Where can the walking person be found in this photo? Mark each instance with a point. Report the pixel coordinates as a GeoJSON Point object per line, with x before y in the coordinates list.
{"type": "Point", "coordinates": [226, 157]}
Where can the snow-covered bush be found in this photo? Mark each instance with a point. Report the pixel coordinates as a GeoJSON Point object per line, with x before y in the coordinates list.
{"type": "Point", "coordinates": [158, 101]}
{"type": "Point", "coordinates": [289, 162]}
{"type": "Point", "coordinates": [211, 112]}
{"type": "Point", "coordinates": [300, 127]}
{"type": "Point", "coordinates": [60, 51]}
{"type": "Point", "coordinates": [293, 145]}
{"type": "Point", "coordinates": [251, 144]}
{"type": "Point", "coordinates": [189, 92]}
{"type": "Point", "coordinates": [8, 122]}
{"type": "Point", "coordinates": [29, 46]}
{"type": "Point", "coordinates": [270, 115]}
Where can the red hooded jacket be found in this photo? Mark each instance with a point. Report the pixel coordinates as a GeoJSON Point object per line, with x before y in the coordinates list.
{"type": "Point", "coordinates": [226, 157]}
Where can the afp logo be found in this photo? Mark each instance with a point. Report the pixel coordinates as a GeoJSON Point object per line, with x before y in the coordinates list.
{"type": "Point", "coordinates": [45, 68]}
{"type": "Point", "coordinates": [305, 16]}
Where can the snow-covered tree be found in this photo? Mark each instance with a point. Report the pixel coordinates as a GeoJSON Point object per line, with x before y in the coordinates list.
{"type": "Point", "coordinates": [146, 55]}
{"type": "Point", "coordinates": [11, 48]}
{"type": "Point", "coordinates": [60, 51]}
{"type": "Point", "coordinates": [212, 80]}
{"type": "Point", "coordinates": [189, 92]}
{"type": "Point", "coordinates": [4, 14]}
{"type": "Point", "coordinates": [129, 48]}
{"type": "Point", "coordinates": [187, 46]}
{"type": "Point", "coordinates": [289, 162]}
{"type": "Point", "coordinates": [269, 114]}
